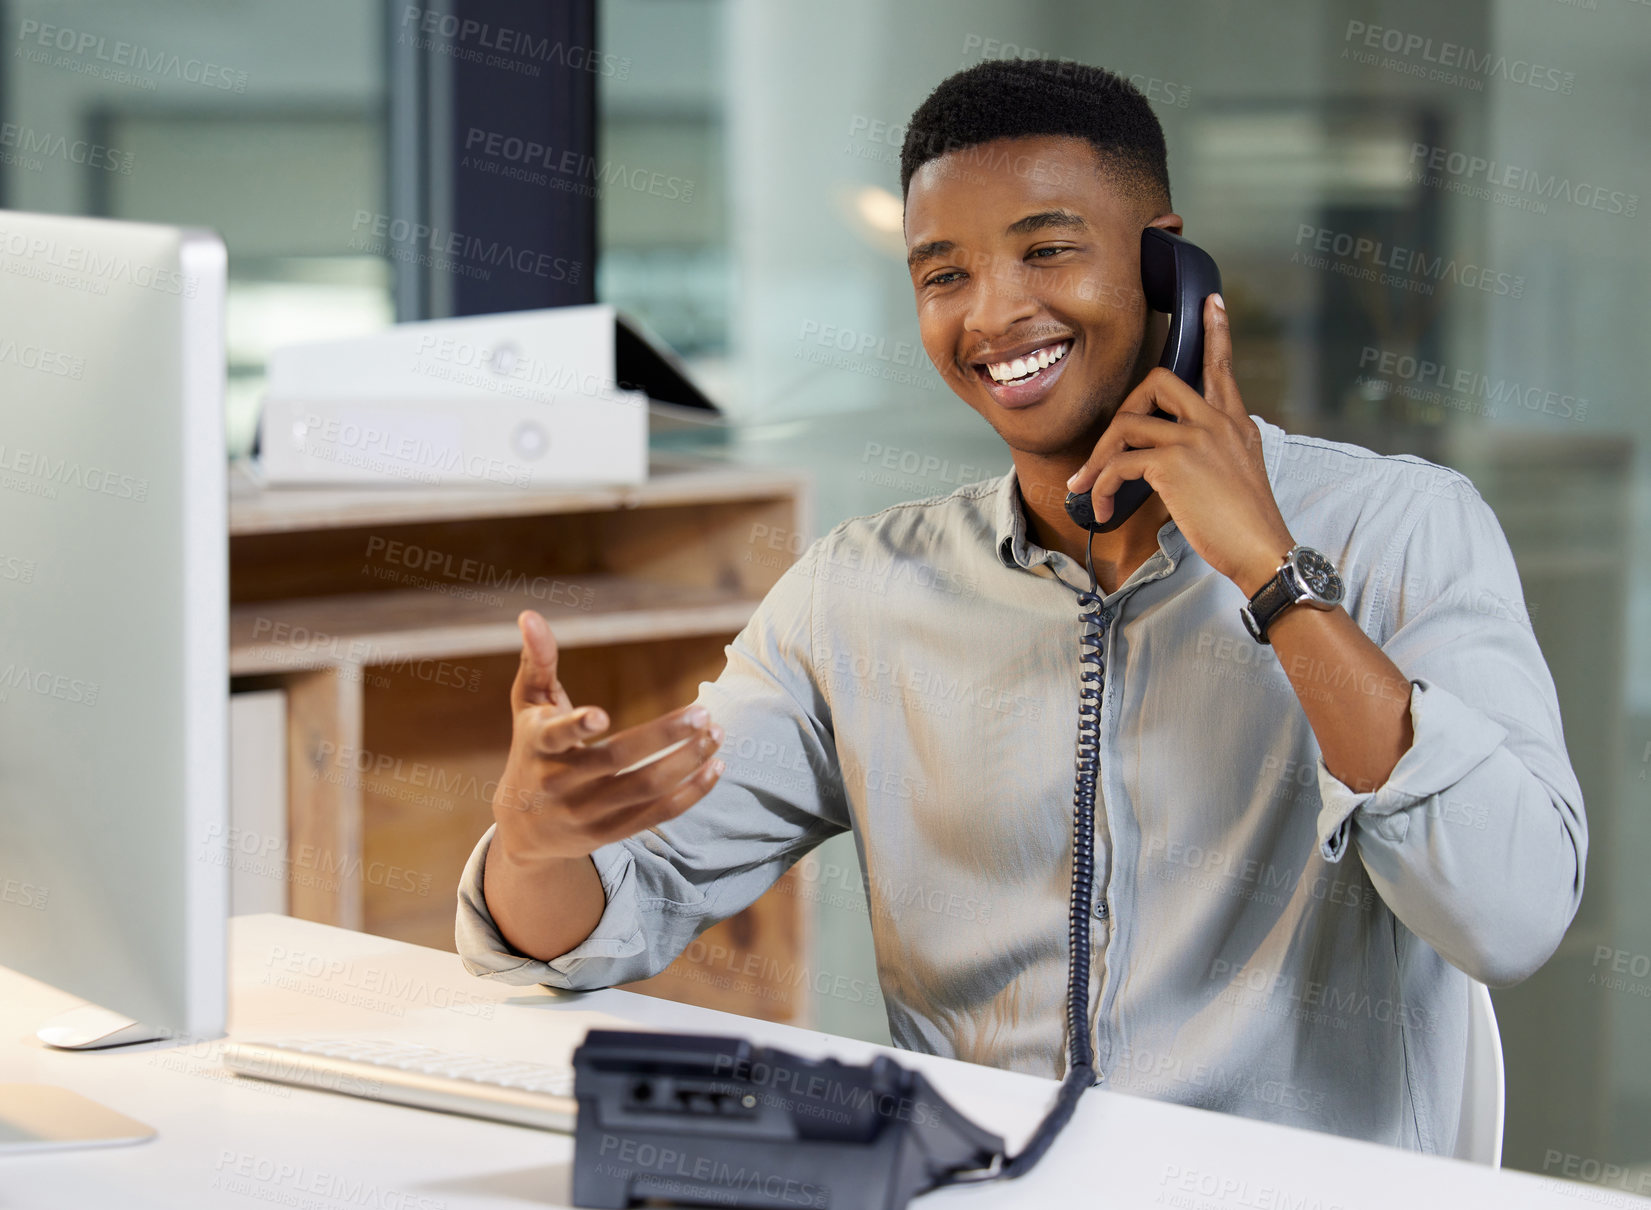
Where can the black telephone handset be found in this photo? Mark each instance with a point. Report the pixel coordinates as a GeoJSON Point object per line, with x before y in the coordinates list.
{"type": "Point", "coordinates": [1176, 276]}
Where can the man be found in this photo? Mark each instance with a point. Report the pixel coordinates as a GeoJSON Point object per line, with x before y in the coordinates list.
{"type": "Point", "coordinates": [1305, 846]}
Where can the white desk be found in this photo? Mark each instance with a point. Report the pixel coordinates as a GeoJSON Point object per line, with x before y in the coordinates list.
{"type": "Point", "coordinates": [225, 1142]}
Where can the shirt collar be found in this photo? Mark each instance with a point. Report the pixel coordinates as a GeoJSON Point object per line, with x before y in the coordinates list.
{"type": "Point", "coordinates": [1009, 523]}
{"type": "Point", "coordinates": [1009, 517]}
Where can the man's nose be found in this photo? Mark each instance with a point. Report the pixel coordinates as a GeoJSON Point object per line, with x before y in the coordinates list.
{"type": "Point", "coordinates": [1001, 299]}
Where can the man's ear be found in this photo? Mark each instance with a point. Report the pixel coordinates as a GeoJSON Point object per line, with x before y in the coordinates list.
{"type": "Point", "coordinates": [1169, 222]}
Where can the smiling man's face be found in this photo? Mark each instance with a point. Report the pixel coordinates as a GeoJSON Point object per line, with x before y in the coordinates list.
{"type": "Point", "coordinates": [1025, 261]}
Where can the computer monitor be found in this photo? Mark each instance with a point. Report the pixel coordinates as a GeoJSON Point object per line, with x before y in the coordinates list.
{"type": "Point", "coordinates": [114, 620]}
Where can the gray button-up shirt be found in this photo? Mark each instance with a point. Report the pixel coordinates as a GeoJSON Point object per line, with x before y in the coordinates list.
{"type": "Point", "coordinates": [1266, 941]}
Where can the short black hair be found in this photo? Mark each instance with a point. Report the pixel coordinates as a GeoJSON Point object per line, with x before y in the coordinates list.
{"type": "Point", "coordinates": [1012, 98]}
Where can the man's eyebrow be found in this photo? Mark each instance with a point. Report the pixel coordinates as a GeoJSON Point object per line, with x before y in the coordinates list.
{"type": "Point", "coordinates": [928, 251]}
{"type": "Point", "coordinates": [1047, 218]}
{"type": "Point", "coordinates": [1032, 222]}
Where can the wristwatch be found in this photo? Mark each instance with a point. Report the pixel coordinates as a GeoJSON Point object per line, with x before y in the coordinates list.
{"type": "Point", "coordinates": [1305, 577]}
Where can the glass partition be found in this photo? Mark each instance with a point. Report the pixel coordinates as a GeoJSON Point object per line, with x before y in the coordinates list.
{"type": "Point", "coordinates": [264, 123]}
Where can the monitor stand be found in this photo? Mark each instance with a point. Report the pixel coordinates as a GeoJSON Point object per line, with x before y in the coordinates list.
{"type": "Point", "coordinates": [44, 1117]}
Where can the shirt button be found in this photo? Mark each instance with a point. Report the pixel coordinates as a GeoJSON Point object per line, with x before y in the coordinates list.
{"type": "Point", "coordinates": [1100, 909]}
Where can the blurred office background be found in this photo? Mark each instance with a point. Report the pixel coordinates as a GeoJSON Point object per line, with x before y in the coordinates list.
{"type": "Point", "coordinates": [763, 243]}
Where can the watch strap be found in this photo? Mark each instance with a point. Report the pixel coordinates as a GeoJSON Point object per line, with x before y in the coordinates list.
{"type": "Point", "coordinates": [1272, 598]}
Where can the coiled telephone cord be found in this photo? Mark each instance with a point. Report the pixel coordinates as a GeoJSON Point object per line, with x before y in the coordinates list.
{"type": "Point", "coordinates": [1080, 1068]}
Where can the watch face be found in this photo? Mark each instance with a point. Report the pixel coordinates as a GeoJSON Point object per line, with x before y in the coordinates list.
{"type": "Point", "coordinates": [1318, 574]}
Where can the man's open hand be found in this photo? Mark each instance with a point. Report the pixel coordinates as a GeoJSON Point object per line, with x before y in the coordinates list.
{"type": "Point", "coordinates": [565, 792]}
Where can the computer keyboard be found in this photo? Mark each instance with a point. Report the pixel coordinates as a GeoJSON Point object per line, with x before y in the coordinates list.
{"type": "Point", "coordinates": [503, 1090]}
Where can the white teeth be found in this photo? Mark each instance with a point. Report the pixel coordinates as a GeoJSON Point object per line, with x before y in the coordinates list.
{"type": "Point", "coordinates": [1020, 367]}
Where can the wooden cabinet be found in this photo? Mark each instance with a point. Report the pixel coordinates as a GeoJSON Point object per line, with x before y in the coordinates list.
{"type": "Point", "coordinates": [388, 617]}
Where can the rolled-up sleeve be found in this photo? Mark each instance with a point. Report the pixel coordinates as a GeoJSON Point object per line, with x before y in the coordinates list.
{"type": "Point", "coordinates": [1477, 839]}
{"type": "Point", "coordinates": [780, 795]}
